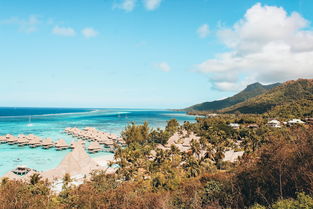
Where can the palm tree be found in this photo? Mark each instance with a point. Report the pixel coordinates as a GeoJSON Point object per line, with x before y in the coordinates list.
{"type": "Point", "coordinates": [67, 179]}
{"type": "Point", "coordinates": [195, 148]}
{"type": "Point", "coordinates": [35, 178]}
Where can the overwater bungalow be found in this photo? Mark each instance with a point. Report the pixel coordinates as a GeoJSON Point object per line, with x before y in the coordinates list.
{"type": "Point", "coordinates": [74, 144]}
{"type": "Point", "coordinates": [22, 141]}
{"type": "Point", "coordinates": [3, 140]}
{"type": "Point", "coordinates": [94, 147]}
{"type": "Point", "coordinates": [61, 145]}
{"type": "Point", "coordinates": [112, 136]}
{"type": "Point", "coordinates": [82, 142]}
{"type": "Point", "coordinates": [90, 129]}
{"type": "Point", "coordinates": [47, 143]}
{"type": "Point", "coordinates": [110, 142]}
{"type": "Point", "coordinates": [93, 135]}
{"type": "Point", "coordinates": [21, 136]}
{"type": "Point", "coordinates": [121, 141]}
{"type": "Point", "coordinates": [31, 136]}
{"type": "Point", "coordinates": [11, 139]}
{"type": "Point", "coordinates": [34, 141]}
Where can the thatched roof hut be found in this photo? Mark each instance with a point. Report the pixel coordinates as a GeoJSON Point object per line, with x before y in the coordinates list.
{"type": "Point", "coordinates": [77, 162]}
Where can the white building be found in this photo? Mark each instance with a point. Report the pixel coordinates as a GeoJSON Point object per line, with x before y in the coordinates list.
{"type": "Point", "coordinates": [295, 121]}
{"type": "Point", "coordinates": [274, 124]}
{"type": "Point", "coordinates": [234, 125]}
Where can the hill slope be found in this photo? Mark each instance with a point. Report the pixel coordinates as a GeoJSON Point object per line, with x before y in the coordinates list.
{"type": "Point", "coordinates": [290, 98]}
{"type": "Point", "coordinates": [249, 92]}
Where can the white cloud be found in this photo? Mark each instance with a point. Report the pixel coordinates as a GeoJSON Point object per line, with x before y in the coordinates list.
{"type": "Point", "coordinates": [127, 5]}
{"type": "Point", "coordinates": [267, 45]}
{"type": "Point", "coordinates": [164, 66]}
{"type": "Point", "coordinates": [203, 31]}
{"type": "Point", "coordinates": [89, 32]}
{"type": "Point", "coordinates": [27, 25]}
{"type": "Point", "coordinates": [63, 31]}
{"type": "Point", "coordinates": [151, 4]}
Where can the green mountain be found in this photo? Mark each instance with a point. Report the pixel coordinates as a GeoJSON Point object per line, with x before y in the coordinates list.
{"type": "Point", "coordinates": [251, 91]}
{"type": "Point", "coordinates": [292, 98]}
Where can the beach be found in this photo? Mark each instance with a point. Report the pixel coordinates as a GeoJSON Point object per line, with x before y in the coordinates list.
{"type": "Point", "coordinates": [104, 160]}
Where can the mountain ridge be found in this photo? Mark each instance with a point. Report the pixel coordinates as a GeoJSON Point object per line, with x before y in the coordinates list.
{"type": "Point", "coordinates": [250, 91]}
{"type": "Point", "coordinates": [292, 98]}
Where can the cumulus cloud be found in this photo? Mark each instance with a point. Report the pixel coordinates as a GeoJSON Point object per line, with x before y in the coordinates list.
{"type": "Point", "coordinates": [89, 32]}
{"type": "Point", "coordinates": [63, 31]}
{"type": "Point", "coordinates": [164, 66]}
{"type": "Point", "coordinates": [127, 5]}
{"type": "Point", "coordinates": [27, 25]}
{"type": "Point", "coordinates": [203, 31]}
{"type": "Point", "coordinates": [266, 45]}
{"type": "Point", "coordinates": [151, 4]}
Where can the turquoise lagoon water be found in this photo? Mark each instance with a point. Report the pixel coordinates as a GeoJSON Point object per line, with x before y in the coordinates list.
{"type": "Point", "coordinates": [51, 122]}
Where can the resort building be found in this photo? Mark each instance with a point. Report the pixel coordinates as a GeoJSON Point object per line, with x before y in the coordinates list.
{"type": "Point", "coordinates": [3, 139]}
{"type": "Point", "coordinates": [234, 125]}
{"type": "Point", "coordinates": [76, 163]}
{"type": "Point", "coordinates": [92, 134]}
{"type": "Point", "coordinates": [47, 143]}
{"type": "Point", "coordinates": [21, 170]}
{"type": "Point", "coordinates": [22, 141]}
{"type": "Point", "coordinates": [232, 156]}
{"type": "Point", "coordinates": [11, 139]}
{"type": "Point", "coordinates": [253, 126]}
{"type": "Point", "coordinates": [61, 145]}
{"type": "Point", "coordinates": [212, 115]}
{"type": "Point", "coordinates": [274, 123]}
{"type": "Point", "coordinates": [309, 121]}
{"type": "Point", "coordinates": [34, 142]}
{"type": "Point", "coordinates": [20, 173]}
{"type": "Point", "coordinates": [295, 121]}
{"type": "Point", "coordinates": [182, 140]}
{"type": "Point", "coordinates": [94, 147]}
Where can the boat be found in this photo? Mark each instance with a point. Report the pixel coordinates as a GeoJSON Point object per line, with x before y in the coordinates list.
{"type": "Point", "coordinates": [30, 121]}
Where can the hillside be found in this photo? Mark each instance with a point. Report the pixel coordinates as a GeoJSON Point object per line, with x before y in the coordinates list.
{"type": "Point", "coordinates": [293, 98]}
{"type": "Point", "coordinates": [249, 92]}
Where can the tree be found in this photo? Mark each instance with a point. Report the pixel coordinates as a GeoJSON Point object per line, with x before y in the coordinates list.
{"type": "Point", "coordinates": [35, 178]}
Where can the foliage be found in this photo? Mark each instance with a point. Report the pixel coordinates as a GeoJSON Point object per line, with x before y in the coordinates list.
{"type": "Point", "coordinates": [134, 133]}
{"type": "Point", "coordinates": [293, 98]}
{"type": "Point", "coordinates": [250, 92]}
{"type": "Point", "coordinates": [276, 170]}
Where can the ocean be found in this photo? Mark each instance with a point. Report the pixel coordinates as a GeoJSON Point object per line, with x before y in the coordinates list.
{"type": "Point", "coordinates": [51, 122]}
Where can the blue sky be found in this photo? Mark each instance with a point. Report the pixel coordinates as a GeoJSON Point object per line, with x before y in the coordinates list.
{"type": "Point", "coordinates": [147, 53]}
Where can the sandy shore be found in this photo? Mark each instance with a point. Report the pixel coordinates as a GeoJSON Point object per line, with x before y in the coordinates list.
{"type": "Point", "coordinates": [103, 160]}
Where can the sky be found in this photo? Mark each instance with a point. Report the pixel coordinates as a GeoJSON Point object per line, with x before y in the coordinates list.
{"type": "Point", "coordinates": [148, 53]}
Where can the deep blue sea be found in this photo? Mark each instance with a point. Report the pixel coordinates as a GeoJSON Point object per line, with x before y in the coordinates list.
{"type": "Point", "coordinates": [51, 122]}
